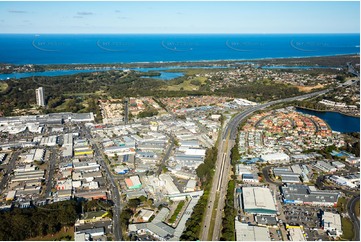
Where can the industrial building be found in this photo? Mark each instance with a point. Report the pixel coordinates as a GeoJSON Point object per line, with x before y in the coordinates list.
{"type": "Point", "coordinates": [325, 167]}
{"type": "Point", "coordinates": [302, 194]}
{"type": "Point", "coordinates": [133, 182]}
{"type": "Point", "coordinates": [245, 232]}
{"type": "Point", "coordinates": [342, 181]}
{"type": "Point", "coordinates": [276, 158]}
{"type": "Point", "coordinates": [331, 223]}
{"type": "Point", "coordinates": [295, 233]}
{"type": "Point", "coordinates": [258, 200]}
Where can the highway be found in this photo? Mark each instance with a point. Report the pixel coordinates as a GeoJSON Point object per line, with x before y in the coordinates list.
{"type": "Point", "coordinates": [354, 219]}
{"type": "Point", "coordinates": [223, 167]}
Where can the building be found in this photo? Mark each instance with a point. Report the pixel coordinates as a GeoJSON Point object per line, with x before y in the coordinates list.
{"type": "Point", "coordinates": [276, 158]}
{"type": "Point", "coordinates": [331, 223]}
{"type": "Point", "coordinates": [258, 200]}
{"type": "Point", "coordinates": [338, 165]}
{"type": "Point", "coordinates": [250, 178]}
{"type": "Point", "coordinates": [39, 93]}
{"type": "Point", "coordinates": [302, 194]}
{"type": "Point", "coordinates": [295, 233]}
{"type": "Point", "coordinates": [168, 183]}
{"type": "Point", "coordinates": [133, 182]}
{"type": "Point", "coordinates": [342, 181]}
{"type": "Point", "coordinates": [325, 167]}
{"type": "Point", "coordinates": [245, 232]}
{"type": "Point", "coordinates": [191, 186]}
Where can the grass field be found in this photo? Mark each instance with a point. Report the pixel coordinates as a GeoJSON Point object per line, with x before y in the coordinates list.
{"type": "Point", "coordinates": [347, 229]}
{"type": "Point", "coordinates": [3, 86]}
{"type": "Point", "coordinates": [62, 235]}
{"type": "Point", "coordinates": [188, 85]}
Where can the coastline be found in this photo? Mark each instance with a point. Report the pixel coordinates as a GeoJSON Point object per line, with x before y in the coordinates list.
{"type": "Point", "coordinates": [331, 111]}
{"type": "Point", "coordinates": [186, 63]}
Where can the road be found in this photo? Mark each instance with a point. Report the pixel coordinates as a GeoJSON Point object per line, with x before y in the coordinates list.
{"type": "Point", "coordinates": [166, 156]}
{"type": "Point", "coordinates": [221, 176]}
{"type": "Point", "coordinates": [115, 190]}
{"type": "Point", "coordinates": [50, 176]}
{"type": "Point", "coordinates": [9, 169]}
{"type": "Point", "coordinates": [354, 219]}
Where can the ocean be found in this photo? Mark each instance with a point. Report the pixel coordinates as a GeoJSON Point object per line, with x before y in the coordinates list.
{"type": "Point", "coordinates": [126, 48]}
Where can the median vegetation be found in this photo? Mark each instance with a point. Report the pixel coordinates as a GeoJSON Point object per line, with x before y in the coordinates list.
{"type": "Point", "coordinates": [205, 172]}
{"type": "Point", "coordinates": [228, 229]}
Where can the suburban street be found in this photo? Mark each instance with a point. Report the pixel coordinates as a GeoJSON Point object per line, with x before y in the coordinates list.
{"type": "Point", "coordinates": [50, 171]}
{"type": "Point", "coordinates": [115, 191]}
{"type": "Point", "coordinates": [9, 169]}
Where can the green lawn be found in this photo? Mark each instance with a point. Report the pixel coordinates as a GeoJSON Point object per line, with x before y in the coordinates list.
{"type": "Point", "coordinates": [3, 86]}
{"type": "Point", "coordinates": [347, 229]}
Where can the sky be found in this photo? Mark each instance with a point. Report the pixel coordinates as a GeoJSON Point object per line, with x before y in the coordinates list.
{"type": "Point", "coordinates": [180, 17]}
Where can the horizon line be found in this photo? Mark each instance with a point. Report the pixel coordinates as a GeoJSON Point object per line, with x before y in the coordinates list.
{"type": "Point", "coordinates": [190, 33]}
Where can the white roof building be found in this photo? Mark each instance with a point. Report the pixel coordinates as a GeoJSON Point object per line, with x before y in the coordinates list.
{"type": "Point", "coordinates": [244, 232]}
{"type": "Point", "coordinates": [276, 158]}
{"type": "Point", "coordinates": [169, 184]}
{"type": "Point", "coordinates": [332, 223]}
{"type": "Point", "coordinates": [258, 200]}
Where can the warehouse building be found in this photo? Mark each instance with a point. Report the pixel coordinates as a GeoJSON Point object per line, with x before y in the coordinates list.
{"type": "Point", "coordinates": [276, 158]}
{"type": "Point", "coordinates": [325, 167]}
{"type": "Point", "coordinates": [302, 194]}
{"type": "Point", "coordinates": [258, 200]}
{"type": "Point", "coordinates": [331, 223]}
{"type": "Point", "coordinates": [245, 232]}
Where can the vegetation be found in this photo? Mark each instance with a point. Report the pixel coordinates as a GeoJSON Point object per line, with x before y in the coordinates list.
{"type": "Point", "coordinates": [148, 113]}
{"type": "Point", "coordinates": [230, 212]}
{"type": "Point", "coordinates": [206, 169]}
{"type": "Point", "coordinates": [176, 212]}
{"type": "Point", "coordinates": [205, 172]}
{"type": "Point", "coordinates": [193, 224]}
{"type": "Point", "coordinates": [21, 224]}
{"type": "Point", "coordinates": [260, 91]}
{"type": "Point", "coordinates": [347, 229]}
{"type": "Point", "coordinates": [341, 204]}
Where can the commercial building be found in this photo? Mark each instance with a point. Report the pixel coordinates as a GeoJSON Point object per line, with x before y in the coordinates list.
{"type": "Point", "coordinates": [295, 233]}
{"type": "Point", "coordinates": [276, 158]}
{"type": "Point", "coordinates": [342, 181]}
{"type": "Point", "coordinates": [191, 186]}
{"type": "Point", "coordinates": [168, 183]}
{"type": "Point", "coordinates": [245, 232]}
{"type": "Point", "coordinates": [39, 94]}
{"type": "Point", "coordinates": [250, 178]}
{"type": "Point", "coordinates": [331, 223]}
{"type": "Point", "coordinates": [302, 194]}
{"type": "Point", "coordinates": [258, 200]}
{"type": "Point", "coordinates": [325, 167]}
{"type": "Point", "coordinates": [133, 182]}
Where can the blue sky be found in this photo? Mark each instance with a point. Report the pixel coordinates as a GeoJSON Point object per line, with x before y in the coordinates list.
{"type": "Point", "coordinates": [180, 17]}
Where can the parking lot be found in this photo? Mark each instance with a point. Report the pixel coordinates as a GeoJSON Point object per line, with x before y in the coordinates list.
{"type": "Point", "coordinates": [300, 215]}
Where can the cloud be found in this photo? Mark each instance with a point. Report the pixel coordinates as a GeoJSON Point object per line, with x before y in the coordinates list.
{"type": "Point", "coordinates": [85, 13]}
{"type": "Point", "coordinates": [179, 13]}
{"type": "Point", "coordinates": [17, 11]}
{"type": "Point", "coordinates": [123, 18]}
{"type": "Point", "coordinates": [117, 11]}
{"type": "Point", "coordinates": [76, 16]}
